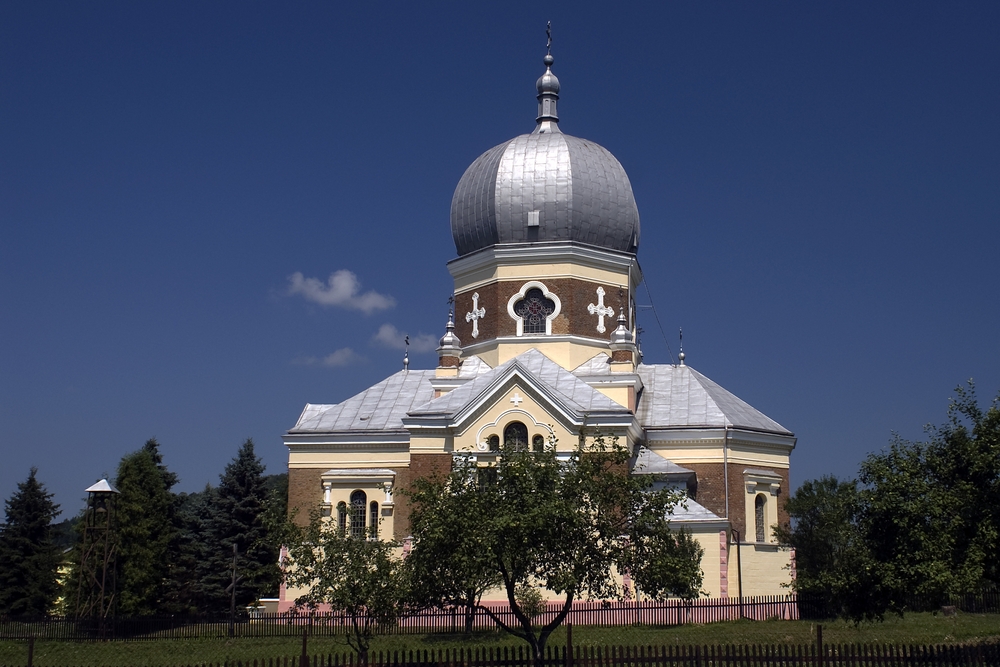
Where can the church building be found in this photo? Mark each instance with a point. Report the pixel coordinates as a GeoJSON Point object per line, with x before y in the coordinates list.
{"type": "Point", "coordinates": [542, 346]}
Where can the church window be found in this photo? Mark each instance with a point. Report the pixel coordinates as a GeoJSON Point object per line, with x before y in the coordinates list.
{"type": "Point", "coordinates": [373, 520]}
{"type": "Point", "coordinates": [515, 437]}
{"type": "Point", "coordinates": [486, 477]}
{"type": "Point", "coordinates": [342, 516]}
{"type": "Point", "coordinates": [538, 443]}
{"type": "Point", "coordinates": [359, 502]}
{"type": "Point", "coordinates": [533, 310]}
{"type": "Point", "coordinates": [758, 506]}
{"type": "Point", "coordinates": [494, 442]}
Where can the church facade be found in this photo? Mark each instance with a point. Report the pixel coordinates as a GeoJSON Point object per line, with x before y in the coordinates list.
{"type": "Point", "coordinates": [542, 348]}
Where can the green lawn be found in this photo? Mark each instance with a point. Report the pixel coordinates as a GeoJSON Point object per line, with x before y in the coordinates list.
{"type": "Point", "coordinates": [913, 629]}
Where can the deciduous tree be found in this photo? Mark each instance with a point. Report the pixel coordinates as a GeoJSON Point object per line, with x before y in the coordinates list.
{"type": "Point", "coordinates": [361, 578]}
{"type": "Point", "coordinates": [562, 523]}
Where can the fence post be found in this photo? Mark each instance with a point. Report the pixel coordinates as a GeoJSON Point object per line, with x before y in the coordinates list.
{"type": "Point", "coordinates": [819, 645]}
{"type": "Point", "coordinates": [31, 650]}
{"type": "Point", "coordinates": [569, 645]}
{"type": "Point", "coordinates": [304, 658]}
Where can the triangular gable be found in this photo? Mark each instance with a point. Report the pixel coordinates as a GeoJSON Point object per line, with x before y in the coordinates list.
{"type": "Point", "coordinates": [551, 385]}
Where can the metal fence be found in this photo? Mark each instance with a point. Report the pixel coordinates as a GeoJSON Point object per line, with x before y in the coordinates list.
{"type": "Point", "coordinates": [673, 612]}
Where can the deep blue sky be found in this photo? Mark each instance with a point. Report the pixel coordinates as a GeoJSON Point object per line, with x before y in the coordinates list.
{"type": "Point", "coordinates": [819, 187]}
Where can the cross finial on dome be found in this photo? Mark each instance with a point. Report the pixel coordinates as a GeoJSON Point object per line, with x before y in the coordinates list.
{"type": "Point", "coordinates": [548, 91]}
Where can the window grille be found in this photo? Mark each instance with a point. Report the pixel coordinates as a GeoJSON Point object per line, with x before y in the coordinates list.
{"type": "Point", "coordinates": [494, 441]}
{"type": "Point", "coordinates": [515, 437]}
{"type": "Point", "coordinates": [533, 310]}
{"type": "Point", "coordinates": [759, 516]}
{"type": "Point", "coordinates": [538, 443]}
{"type": "Point", "coordinates": [359, 502]}
{"type": "Point", "coordinates": [373, 520]}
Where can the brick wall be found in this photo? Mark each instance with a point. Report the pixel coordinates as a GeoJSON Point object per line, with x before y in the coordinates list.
{"type": "Point", "coordinates": [305, 493]}
{"type": "Point", "coordinates": [574, 295]}
{"type": "Point", "coordinates": [421, 465]}
{"type": "Point", "coordinates": [710, 491]}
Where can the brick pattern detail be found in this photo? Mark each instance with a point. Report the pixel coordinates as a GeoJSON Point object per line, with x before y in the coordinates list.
{"type": "Point", "coordinates": [621, 355]}
{"type": "Point", "coordinates": [449, 362]}
{"type": "Point", "coordinates": [710, 491]}
{"type": "Point", "coordinates": [305, 493]}
{"type": "Point", "coordinates": [421, 465]}
{"type": "Point", "coordinates": [574, 294]}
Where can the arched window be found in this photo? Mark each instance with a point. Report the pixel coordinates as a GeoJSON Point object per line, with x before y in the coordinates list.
{"type": "Point", "coordinates": [758, 509]}
{"type": "Point", "coordinates": [515, 437]}
{"type": "Point", "coordinates": [533, 310]}
{"type": "Point", "coordinates": [359, 502]}
{"type": "Point", "coordinates": [494, 442]}
{"type": "Point", "coordinates": [342, 516]}
{"type": "Point", "coordinates": [373, 520]}
{"type": "Point", "coordinates": [538, 443]}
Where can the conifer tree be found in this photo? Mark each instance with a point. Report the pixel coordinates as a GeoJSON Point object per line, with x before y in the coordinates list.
{"type": "Point", "coordinates": [29, 558]}
{"type": "Point", "coordinates": [145, 531]}
{"type": "Point", "coordinates": [239, 518]}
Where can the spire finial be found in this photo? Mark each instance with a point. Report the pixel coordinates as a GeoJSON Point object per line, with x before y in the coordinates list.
{"type": "Point", "coordinates": [406, 355]}
{"type": "Point", "coordinates": [680, 355]}
{"type": "Point", "coordinates": [548, 90]}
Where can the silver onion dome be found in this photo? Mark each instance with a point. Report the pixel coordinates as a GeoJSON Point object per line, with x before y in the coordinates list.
{"type": "Point", "coordinates": [545, 186]}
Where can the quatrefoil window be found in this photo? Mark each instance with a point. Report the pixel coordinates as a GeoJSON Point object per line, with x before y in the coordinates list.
{"type": "Point", "coordinates": [533, 310]}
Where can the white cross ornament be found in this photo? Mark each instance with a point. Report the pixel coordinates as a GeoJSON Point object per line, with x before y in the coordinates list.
{"type": "Point", "coordinates": [474, 316]}
{"type": "Point", "coordinates": [516, 399]}
{"type": "Point", "coordinates": [600, 310]}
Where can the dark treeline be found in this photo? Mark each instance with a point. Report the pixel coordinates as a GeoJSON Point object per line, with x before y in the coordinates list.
{"type": "Point", "coordinates": [918, 527]}
{"type": "Point", "coordinates": [174, 551]}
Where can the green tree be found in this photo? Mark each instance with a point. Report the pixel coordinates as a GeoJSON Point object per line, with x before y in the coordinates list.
{"type": "Point", "coordinates": [565, 524]}
{"type": "Point", "coordinates": [446, 521]}
{"type": "Point", "coordinates": [834, 571]}
{"type": "Point", "coordinates": [361, 578]}
{"type": "Point", "coordinates": [29, 558]}
{"type": "Point", "coordinates": [930, 510]}
{"type": "Point", "coordinates": [239, 517]}
{"type": "Point", "coordinates": [145, 533]}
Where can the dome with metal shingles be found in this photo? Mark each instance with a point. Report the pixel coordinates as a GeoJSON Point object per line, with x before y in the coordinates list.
{"type": "Point", "coordinates": [545, 186]}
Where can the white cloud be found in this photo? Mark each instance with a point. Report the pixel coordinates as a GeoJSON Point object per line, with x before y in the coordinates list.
{"type": "Point", "coordinates": [345, 356]}
{"type": "Point", "coordinates": [342, 289]}
{"type": "Point", "coordinates": [389, 336]}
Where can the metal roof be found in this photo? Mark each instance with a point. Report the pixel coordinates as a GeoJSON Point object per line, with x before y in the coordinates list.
{"type": "Point", "coordinates": [381, 407]}
{"type": "Point", "coordinates": [575, 393]}
{"type": "Point", "coordinates": [679, 396]}
{"type": "Point", "coordinates": [648, 462]}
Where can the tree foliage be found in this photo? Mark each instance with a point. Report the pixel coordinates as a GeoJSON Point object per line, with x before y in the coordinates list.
{"type": "Point", "coordinates": [922, 525]}
{"type": "Point", "coordinates": [145, 531]}
{"type": "Point", "coordinates": [564, 523]}
{"type": "Point", "coordinates": [238, 516]}
{"type": "Point", "coordinates": [29, 558]}
{"type": "Point", "coordinates": [362, 578]}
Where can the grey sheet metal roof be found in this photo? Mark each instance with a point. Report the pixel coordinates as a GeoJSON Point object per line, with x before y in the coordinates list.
{"type": "Point", "coordinates": [473, 366]}
{"type": "Point", "coordinates": [381, 407]}
{"type": "Point", "coordinates": [679, 396]}
{"type": "Point", "coordinates": [599, 364]}
{"type": "Point", "coordinates": [691, 510]}
{"type": "Point", "coordinates": [575, 393]}
{"type": "Point", "coordinates": [648, 462]}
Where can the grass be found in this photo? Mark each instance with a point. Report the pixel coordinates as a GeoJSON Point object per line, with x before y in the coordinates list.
{"type": "Point", "coordinates": [925, 628]}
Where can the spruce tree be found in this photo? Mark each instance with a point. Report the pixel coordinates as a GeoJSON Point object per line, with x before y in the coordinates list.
{"type": "Point", "coordinates": [239, 518]}
{"type": "Point", "coordinates": [145, 532]}
{"type": "Point", "coordinates": [29, 558]}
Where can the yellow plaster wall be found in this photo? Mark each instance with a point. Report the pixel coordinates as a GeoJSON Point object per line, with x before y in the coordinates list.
{"type": "Point", "coordinates": [765, 570]}
{"type": "Point", "coordinates": [502, 412]}
{"type": "Point", "coordinates": [711, 451]}
{"type": "Point", "coordinates": [568, 354]}
{"type": "Point", "coordinates": [388, 457]}
{"type": "Point", "coordinates": [489, 274]}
